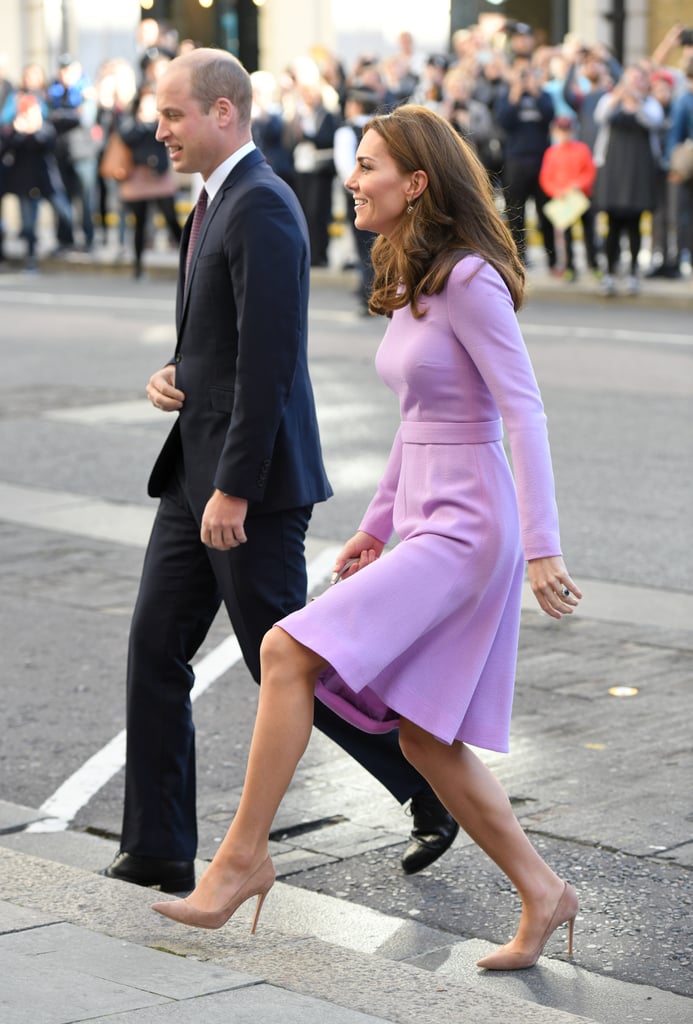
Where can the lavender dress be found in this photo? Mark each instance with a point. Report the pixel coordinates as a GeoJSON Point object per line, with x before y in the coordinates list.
{"type": "Point", "coordinates": [430, 630]}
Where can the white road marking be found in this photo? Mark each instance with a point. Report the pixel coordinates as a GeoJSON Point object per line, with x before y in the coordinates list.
{"type": "Point", "coordinates": [139, 304]}
{"type": "Point", "coordinates": [561, 333]}
{"type": "Point", "coordinates": [76, 514]}
{"type": "Point", "coordinates": [138, 410]}
{"type": "Point", "coordinates": [119, 303]}
{"type": "Point", "coordinates": [62, 807]}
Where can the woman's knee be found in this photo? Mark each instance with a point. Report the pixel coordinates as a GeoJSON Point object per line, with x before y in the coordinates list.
{"type": "Point", "coordinates": [415, 743]}
{"type": "Point", "coordinates": [274, 646]}
{"type": "Point", "coordinates": [280, 650]}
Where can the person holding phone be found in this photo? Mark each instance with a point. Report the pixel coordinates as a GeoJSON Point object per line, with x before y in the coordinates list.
{"type": "Point", "coordinates": [525, 114]}
{"type": "Point", "coordinates": [30, 168]}
{"type": "Point", "coordinates": [626, 154]}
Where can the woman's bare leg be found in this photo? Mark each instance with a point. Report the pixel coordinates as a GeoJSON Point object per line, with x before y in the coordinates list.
{"type": "Point", "coordinates": [478, 802]}
{"type": "Point", "coordinates": [280, 736]}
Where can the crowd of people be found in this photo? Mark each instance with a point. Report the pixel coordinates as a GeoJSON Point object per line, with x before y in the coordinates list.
{"type": "Point", "coordinates": [54, 138]}
{"type": "Point", "coordinates": [565, 133]}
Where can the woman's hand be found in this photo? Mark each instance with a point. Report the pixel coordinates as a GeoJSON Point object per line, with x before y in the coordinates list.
{"type": "Point", "coordinates": [552, 586]}
{"type": "Point", "coordinates": [361, 550]}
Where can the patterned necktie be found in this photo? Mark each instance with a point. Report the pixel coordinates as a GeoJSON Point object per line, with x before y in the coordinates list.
{"type": "Point", "coordinates": [198, 217]}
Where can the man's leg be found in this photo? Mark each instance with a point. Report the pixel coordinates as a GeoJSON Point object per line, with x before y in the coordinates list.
{"type": "Point", "coordinates": [177, 602]}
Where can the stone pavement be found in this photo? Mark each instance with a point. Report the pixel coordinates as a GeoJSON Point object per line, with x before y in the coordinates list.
{"type": "Point", "coordinates": [75, 946]}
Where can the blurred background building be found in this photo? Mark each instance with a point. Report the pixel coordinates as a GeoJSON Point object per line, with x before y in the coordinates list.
{"type": "Point", "coordinates": [270, 33]}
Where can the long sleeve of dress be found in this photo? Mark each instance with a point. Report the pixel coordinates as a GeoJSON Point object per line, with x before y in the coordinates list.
{"type": "Point", "coordinates": [482, 317]}
{"type": "Point", "coordinates": [377, 520]}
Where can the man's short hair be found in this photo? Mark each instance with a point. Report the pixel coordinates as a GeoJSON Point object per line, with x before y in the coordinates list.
{"type": "Point", "coordinates": [217, 73]}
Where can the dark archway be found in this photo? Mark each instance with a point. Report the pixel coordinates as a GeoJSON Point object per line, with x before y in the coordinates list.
{"type": "Point", "coordinates": [548, 17]}
{"type": "Point", "coordinates": [229, 24]}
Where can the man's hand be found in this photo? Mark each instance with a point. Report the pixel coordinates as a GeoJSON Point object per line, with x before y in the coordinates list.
{"type": "Point", "coordinates": [162, 391]}
{"type": "Point", "coordinates": [223, 522]}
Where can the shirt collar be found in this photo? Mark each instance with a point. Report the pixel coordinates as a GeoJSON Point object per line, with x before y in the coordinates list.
{"type": "Point", "coordinates": [221, 173]}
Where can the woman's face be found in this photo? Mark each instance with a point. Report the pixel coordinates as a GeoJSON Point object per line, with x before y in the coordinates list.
{"type": "Point", "coordinates": [381, 190]}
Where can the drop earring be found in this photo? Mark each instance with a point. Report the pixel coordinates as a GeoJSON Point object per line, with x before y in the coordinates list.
{"type": "Point", "coordinates": [410, 208]}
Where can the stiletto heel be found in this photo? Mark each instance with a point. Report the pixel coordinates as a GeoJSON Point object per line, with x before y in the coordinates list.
{"type": "Point", "coordinates": [505, 959]}
{"type": "Point", "coordinates": [258, 908]}
{"type": "Point", "coordinates": [258, 884]}
{"type": "Point", "coordinates": [571, 929]}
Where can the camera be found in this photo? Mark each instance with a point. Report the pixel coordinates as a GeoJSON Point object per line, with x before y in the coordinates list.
{"type": "Point", "coordinates": [686, 37]}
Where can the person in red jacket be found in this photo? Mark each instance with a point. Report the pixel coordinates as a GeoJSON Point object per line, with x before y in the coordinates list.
{"type": "Point", "coordinates": [568, 164]}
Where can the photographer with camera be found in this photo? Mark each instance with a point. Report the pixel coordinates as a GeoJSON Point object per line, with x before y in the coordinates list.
{"type": "Point", "coordinates": [525, 115]}
{"type": "Point", "coordinates": [678, 37]}
{"type": "Point", "coordinates": [592, 72]}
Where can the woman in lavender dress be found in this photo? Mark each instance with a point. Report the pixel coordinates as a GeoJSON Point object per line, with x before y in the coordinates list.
{"type": "Point", "coordinates": [423, 636]}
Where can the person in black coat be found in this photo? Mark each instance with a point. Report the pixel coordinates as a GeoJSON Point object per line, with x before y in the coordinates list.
{"type": "Point", "coordinates": [30, 168]}
{"type": "Point", "coordinates": [72, 110]}
{"type": "Point", "coordinates": [312, 131]}
{"type": "Point", "coordinates": [525, 115]}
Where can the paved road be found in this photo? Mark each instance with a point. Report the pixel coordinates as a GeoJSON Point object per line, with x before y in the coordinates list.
{"type": "Point", "coordinates": [601, 781]}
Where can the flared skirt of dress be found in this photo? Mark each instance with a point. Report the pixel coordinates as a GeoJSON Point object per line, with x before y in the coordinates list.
{"type": "Point", "coordinates": [429, 631]}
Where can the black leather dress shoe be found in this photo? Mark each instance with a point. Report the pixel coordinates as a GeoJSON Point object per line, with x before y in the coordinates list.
{"type": "Point", "coordinates": [433, 833]}
{"type": "Point", "coordinates": [166, 875]}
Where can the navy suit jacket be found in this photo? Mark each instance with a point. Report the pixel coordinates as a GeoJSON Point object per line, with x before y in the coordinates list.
{"type": "Point", "coordinates": [248, 425]}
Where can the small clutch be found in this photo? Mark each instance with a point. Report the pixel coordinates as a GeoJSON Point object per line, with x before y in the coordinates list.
{"type": "Point", "coordinates": [337, 576]}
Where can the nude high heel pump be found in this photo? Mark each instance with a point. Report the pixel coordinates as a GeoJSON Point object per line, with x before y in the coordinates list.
{"type": "Point", "coordinates": [566, 911]}
{"type": "Point", "coordinates": [258, 884]}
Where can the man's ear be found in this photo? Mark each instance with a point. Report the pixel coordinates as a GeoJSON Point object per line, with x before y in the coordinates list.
{"type": "Point", "coordinates": [224, 109]}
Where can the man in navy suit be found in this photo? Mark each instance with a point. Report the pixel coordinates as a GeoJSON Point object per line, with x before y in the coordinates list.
{"type": "Point", "coordinates": [238, 474]}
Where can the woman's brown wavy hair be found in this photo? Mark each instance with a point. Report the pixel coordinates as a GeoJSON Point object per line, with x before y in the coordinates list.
{"type": "Point", "coordinates": [454, 215]}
